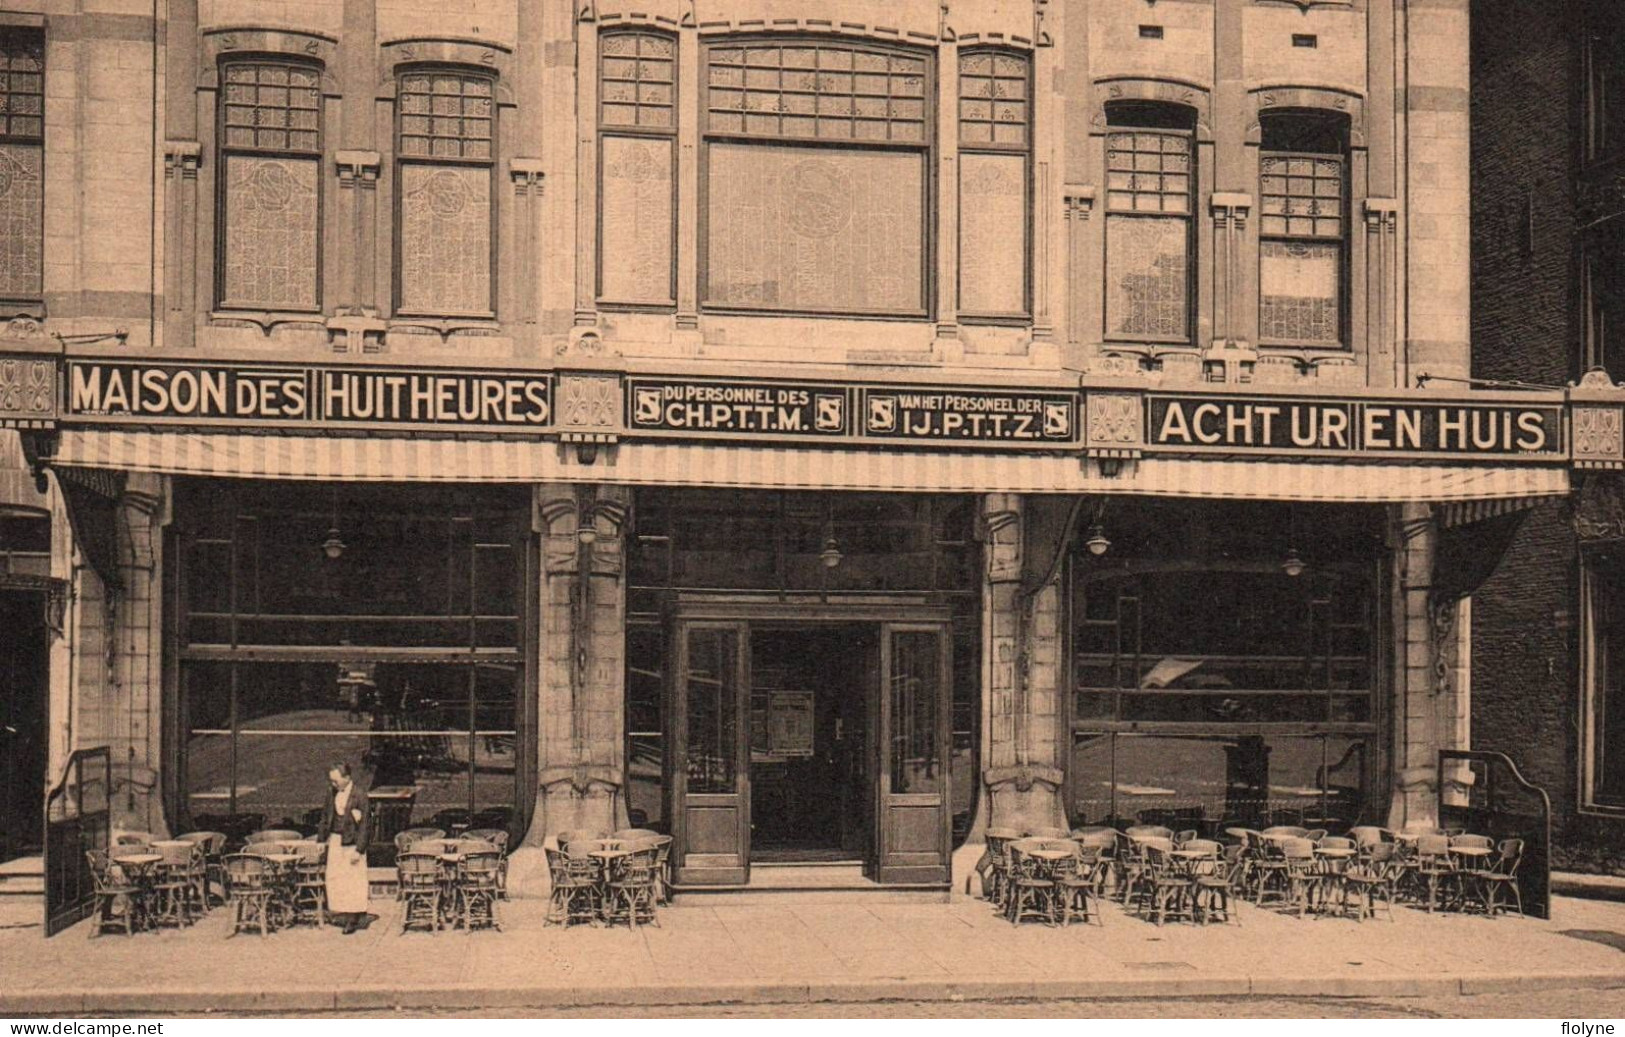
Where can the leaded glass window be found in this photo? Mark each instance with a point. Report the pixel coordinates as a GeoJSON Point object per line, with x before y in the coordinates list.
{"type": "Point", "coordinates": [637, 84]}
{"type": "Point", "coordinates": [994, 144]}
{"type": "Point", "coordinates": [792, 226]}
{"type": "Point", "coordinates": [22, 164]}
{"type": "Point", "coordinates": [1149, 183]}
{"type": "Point", "coordinates": [271, 147]}
{"type": "Point", "coordinates": [445, 137]}
{"type": "Point", "coordinates": [1302, 221]}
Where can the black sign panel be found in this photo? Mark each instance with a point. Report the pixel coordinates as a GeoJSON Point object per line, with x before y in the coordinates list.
{"type": "Point", "coordinates": [712, 407]}
{"type": "Point", "coordinates": [1392, 427]}
{"type": "Point", "coordinates": [1005, 416]}
{"type": "Point", "coordinates": [317, 394]}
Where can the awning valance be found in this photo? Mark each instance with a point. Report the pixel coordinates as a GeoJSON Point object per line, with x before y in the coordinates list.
{"type": "Point", "coordinates": [744, 467]}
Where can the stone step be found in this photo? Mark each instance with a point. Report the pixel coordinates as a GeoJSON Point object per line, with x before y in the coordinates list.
{"type": "Point", "coordinates": [22, 886]}
{"type": "Point", "coordinates": [779, 882]}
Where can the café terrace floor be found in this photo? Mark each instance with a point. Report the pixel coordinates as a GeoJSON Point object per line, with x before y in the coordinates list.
{"type": "Point", "coordinates": [805, 949]}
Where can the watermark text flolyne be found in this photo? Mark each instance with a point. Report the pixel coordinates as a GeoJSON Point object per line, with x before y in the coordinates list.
{"type": "Point", "coordinates": [1588, 1029]}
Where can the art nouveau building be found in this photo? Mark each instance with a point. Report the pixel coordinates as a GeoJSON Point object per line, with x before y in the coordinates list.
{"type": "Point", "coordinates": [819, 430]}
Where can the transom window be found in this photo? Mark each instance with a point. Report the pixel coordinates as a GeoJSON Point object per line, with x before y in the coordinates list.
{"type": "Point", "coordinates": [1149, 183]}
{"type": "Point", "coordinates": [22, 164]}
{"type": "Point", "coordinates": [816, 178]}
{"type": "Point", "coordinates": [445, 144]}
{"type": "Point", "coordinates": [270, 174]}
{"type": "Point", "coordinates": [638, 81]}
{"type": "Point", "coordinates": [1302, 224]}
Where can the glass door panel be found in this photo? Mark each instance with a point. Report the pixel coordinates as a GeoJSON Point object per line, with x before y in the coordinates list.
{"type": "Point", "coordinates": [712, 793]}
{"type": "Point", "coordinates": [915, 709]}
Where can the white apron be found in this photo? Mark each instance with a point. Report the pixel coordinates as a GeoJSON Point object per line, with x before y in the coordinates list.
{"type": "Point", "coordinates": [346, 873]}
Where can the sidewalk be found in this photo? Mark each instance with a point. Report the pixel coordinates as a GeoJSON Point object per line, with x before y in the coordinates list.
{"type": "Point", "coordinates": [803, 951]}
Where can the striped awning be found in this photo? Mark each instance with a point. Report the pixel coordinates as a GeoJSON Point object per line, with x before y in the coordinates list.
{"type": "Point", "coordinates": [789, 468]}
{"type": "Point", "coordinates": [1462, 513]}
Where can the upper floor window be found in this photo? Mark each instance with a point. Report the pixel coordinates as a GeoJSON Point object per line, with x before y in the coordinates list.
{"type": "Point", "coordinates": [1603, 292]}
{"type": "Point", "coordinates": [445, 151]}
{"type": "Point", "coordinates": [817, 178]}
{"type": "Point", "coordinates": [270, 172]}
{"type": "Point", "coordinates": [995, 142]}
{"type": "Point", "coordinates": [22, 164]}
{"type": "Point", "coordinates": [1303, 229]}
{"type": "Point", "coordinates": [637, 85]}
{"type": "Point", "coordinates": [1150, 180]}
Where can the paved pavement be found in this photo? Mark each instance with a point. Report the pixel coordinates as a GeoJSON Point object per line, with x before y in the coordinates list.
{"type": "Point", "coordinates": [806, 951]}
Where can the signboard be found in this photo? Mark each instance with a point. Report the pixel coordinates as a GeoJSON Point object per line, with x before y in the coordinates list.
{"type": "Point", "coordinates": [934, 414]}
{"type": "Point", "coordinates": [287, 394]}
{"type": "Point", "coordinates": [925, 414]}
{"type": "Point", "coordinates": [1284, 425]}
{"type": "Point", "coordinates": [700, 406]}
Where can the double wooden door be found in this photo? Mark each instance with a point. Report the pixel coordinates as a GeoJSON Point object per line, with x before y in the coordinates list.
{"type": "Point", "coordinates": [909, 695]}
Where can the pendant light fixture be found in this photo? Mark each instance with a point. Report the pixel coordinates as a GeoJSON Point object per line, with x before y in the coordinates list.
{"type": "Point", "coordinates": [1097, 544]}
{"type": "Point", "coordinates": [333, 545]}
{"type": "Point", "coordinates": [831, 554]}
{"type": "Point", "coordinates": [1292, 564]}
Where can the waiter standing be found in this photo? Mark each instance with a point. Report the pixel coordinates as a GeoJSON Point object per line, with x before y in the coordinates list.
{"type": "Point", "coordinates": [345, 829]}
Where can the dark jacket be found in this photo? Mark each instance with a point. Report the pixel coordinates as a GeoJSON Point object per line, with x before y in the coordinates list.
{"type": "Point", "coordinates": [350, 831]}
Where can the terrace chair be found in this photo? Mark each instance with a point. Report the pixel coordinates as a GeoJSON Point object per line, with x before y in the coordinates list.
{"type": "Point", "coordinates": [1181, 838]}
{"type": "Point", "coordinates": [1315, 835]}
{"type": "Point", "coordinates": [1152, 831]}
{"type": "Point", "coordinates": [1077, 884]}
{"type": "Point", "coordinates": [1211, 887]}
{"type": "Point", "coordinates": [417, 876]}
{"type": "Point", "coordinates": [1432, 867]}
{"type": "Point", "coordinates": [405, 840]}
{"type": "Point", "coordinates": [995, 865]}
{"type": "Point", "coordinates": [662, 844]}
{"type": "Point", "coordinates": [497, 837]}
{"type": "Point", "coordinates": [174, 889]}
{"type": "Point", "coordinates": [1293, 831]}
{"type": "Point", "coordinates": [1168, 885]}
{"type": "Point", "coordinates": [1301, 875]}
{"type": "Point", "coordinates": [1050, 833]}
{"type": "Point", "coordinates": [1270, 870]}
{"type": "Point", "coordinates": [213, 844]}
{"type": "Point", "coordinates": [577, 835]}
{"type": "Point", "coordinates": [118, 902]}
{"type": "Point", "coordinates": [633, 833]}
{"type": "Point", "coordinates": [633, 887]}
{"type": "Point", "coordinates": [133, 841]}
{"type": "Point", "coordinates": [1129, 867]}
{"type": "Point", "coordinates": [310, 885]}
{"type": "Point", "coordinates": [476, 889]}
{"type": "Point", "coordinates": [1372, 873]}
{"type": "Point", "coordinates": [1502, 876]}
{"type": "Point", "coordinates": [574, 894]}
{"type": "Point", "coordinates": [249, 877]}
{"type": "Point", "coordinates": [1031, 892]}
{"type": "Point", "coordinates": [1367, 835]}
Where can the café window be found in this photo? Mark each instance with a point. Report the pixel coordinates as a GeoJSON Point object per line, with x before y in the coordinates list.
{"type": "Point", "coordinates": [270, 176]}
{"type": "Point", "coordinates": [995, 145]}
{"type": "Point", "coordinates": [1251, 658]}
{"type": "Point", "coordinates": [1150, 181]}
{"type": "Point", "coordinates": [637, 141]}
{"type": "Point", "coordinates": [22, 165]}
{"type": "Point", "coordinates": [379, 626]}
{"type": "Point", "coordinates": [445, 146]}
{"type": "Point", "coordinates": [1303, 226]}
{"type": "Point", "coordinates": [817, 178]}
{"type": "Point", "coordinates": [1603, 716]}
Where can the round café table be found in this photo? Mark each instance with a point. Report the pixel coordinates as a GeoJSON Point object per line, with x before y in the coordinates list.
{"type": "Point", "coordinates": [282, 884]}
{"type": "Point", "coordinates": [138, 869]}
{"type": "Point", "coordinates": [605, 856]}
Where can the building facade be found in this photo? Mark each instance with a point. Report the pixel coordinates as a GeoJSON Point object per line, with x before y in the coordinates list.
{"type": "Point", "coordinates": [820, 431]}
{"type": "Point", "coordinates": [1549, 274]}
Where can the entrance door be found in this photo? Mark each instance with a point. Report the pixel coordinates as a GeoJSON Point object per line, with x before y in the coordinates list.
{"type": "Point", "coordinates": [23, 669]}
{"type": "Point", "coordinates": [709, 763]}
{"type": "Point", "coordinates": [912, 795]}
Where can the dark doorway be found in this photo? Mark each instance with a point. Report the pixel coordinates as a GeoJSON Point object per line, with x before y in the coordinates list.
{"type": "Point", "coordinates": [811, 791]}
{"type": "Point", "coordinates": [23, 691]}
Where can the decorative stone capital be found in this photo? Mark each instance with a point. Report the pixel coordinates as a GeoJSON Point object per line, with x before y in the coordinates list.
{"type": "Point", "coordinates": [527, 176]}
{"type": "Point", "coordinates": [1022, 778]}
{"type": "Point", "coordinates": [1080, 201]}
{"type": "Point", "coordinates": [1230, 208]}
{"type": "Point", "coordinates": [356, 332]}
{"type": "Point", "coordinates": [182, 158]}
{"type": "Point", "coordinates": [1381, 215]}
{"type": "Point", "coordinates": [357, 168]}
{"type": "Point", "coordinates": [1002, 522]}
{"type": "Point", "coordinates": [1114, 425]}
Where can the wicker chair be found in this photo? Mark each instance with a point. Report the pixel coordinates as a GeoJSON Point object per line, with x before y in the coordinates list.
{"type": "Point", "coordinates": [1372, 873]}
{"type": "Point", "coordinates": [574, 895]}
{"type": "Point", "coordinates": [476, 890]}
{"type": "Point", "coordinates": [404, 841]}
{"type": "Point", "coordinates": [175, 888]}
{"type": "Point", "coordinates": [1502, 876]}
{"type": "Point", "coordinates": [418, 879]}
{"type": "Point", "coordinates": [275, 835]}
{"type": "Point", "coordinates": [249, 877]}
{"type": "Point", "coordinates": [119, 902]}
{"type": "Point", "coordinates": [310, 885]}
{"type": "Point", "coordinates": [214, 873]}
{"type": "Point", "coordinates": [633, 887]}
{"type": "Point", "coordinates": [1031, 893]}
{"type": "Point", "coordinates": [1077, 885]}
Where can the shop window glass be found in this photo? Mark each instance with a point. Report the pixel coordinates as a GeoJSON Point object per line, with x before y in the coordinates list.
{"type": "Point", "coordinates": [1303, 228]}
{"type": "Point", "coordinates": [710, 683]}
{"type": "Point", "coordinates": [645, 725]}
{"type": "Point", "coordinates": [637, 90]}
{"type": "Point", "coordinates": [1150, 181]}
{"type": "Point", "coordinates": [816, 229]}
{"type": "Point", "coordinates": [446, 146]}
{"type": "Point", "coordinates": [994, 149]}
{"type": "Point", "coordinates": [914, 685]}
{"type": "Point", "coordinates": [270, 175]}
{"type": "Point", "coordinates": [1605, 686]}
{"type": "Point", "coordinates": [22, 164]}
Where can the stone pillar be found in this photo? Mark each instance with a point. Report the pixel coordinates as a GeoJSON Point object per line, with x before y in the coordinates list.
{"type": "Point", "coordinates": [1429, 697]}
{"type": "Point", "coordinates": [581, 766]}
{"type": "Point", "coordinates": [131, 711]}
{"type": "Point", "coordinates": [1021, 679]}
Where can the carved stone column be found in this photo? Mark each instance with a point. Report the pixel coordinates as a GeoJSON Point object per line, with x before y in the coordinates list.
{"type": "Point", "coordinates": [132, 711]}
{"type": "Point", "coordinates": [1381, 264]}
{"type": "Point", "coordinates": [528, 183]}
{"type": "Point", "coordinates": [581, 765]}
{"type": "Point", "coordinates": [181, 160]}
{"type": "Point", "coordinates": [1422, 691]}
{"type": "Point", "coordinates": [1080, 204]}
{"type": "Point", "coordinates": [1230, 210]}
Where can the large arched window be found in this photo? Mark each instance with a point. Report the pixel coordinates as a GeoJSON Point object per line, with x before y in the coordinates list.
{"type": "Point", "coordinates": [446, 147]}
{"type": "Point", "coordinates": [270, 185]}
{"type": "Point", "coordinates": [1303, 227]}
{"type": "Point", "coordinates": [1150, 183]}
{"type": "Point", "coordinates": [817, 177]}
